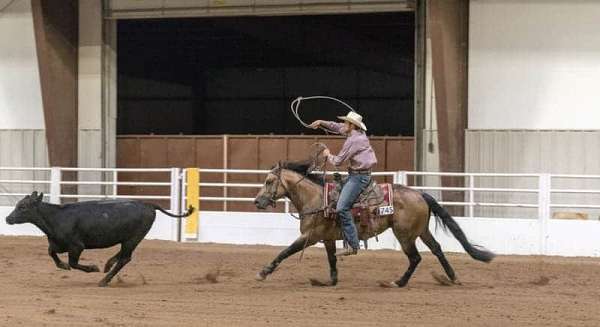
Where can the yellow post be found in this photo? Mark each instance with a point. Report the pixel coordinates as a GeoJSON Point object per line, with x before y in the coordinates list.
{"type": "Point", "coordinates": [193, 198]}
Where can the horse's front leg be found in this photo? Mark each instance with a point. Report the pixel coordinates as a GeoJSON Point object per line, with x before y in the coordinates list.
{"type": "Point", "coordinates": [330, 248]}
{"type": "Point", "coordinates": [297, 246]}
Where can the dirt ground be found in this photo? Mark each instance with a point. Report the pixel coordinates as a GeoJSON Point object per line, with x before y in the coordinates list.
{"type": "Point", "coordinates": [166, 285]}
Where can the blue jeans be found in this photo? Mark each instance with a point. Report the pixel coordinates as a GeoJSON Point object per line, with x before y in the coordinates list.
{"type": "Point", "coordinates": [355, 184]}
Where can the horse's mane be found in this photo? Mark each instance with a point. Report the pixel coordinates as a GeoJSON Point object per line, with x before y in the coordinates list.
{"type": "Point", "coordinates": [303, 167]}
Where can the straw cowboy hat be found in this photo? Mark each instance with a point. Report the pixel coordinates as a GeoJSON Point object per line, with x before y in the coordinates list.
{"type": "Point", "coordinates": [354, 118]}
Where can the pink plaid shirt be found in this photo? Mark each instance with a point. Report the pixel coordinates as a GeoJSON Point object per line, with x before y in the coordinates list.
{"type": "Point", "coordinates": [357, 148]}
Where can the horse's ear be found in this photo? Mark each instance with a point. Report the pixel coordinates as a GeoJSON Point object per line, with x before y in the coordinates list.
{"type": "Point", "coordinates": [34, 195]}
{"type": "Point", "coordinates": [40, 197]}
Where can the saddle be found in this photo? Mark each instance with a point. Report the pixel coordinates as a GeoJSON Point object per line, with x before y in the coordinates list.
{"type": "Point", "coordinates": [376, 200]}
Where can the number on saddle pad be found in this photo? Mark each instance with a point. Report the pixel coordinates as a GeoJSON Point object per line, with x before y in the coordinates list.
{"type": "Point", "coordinates": [386, 210]}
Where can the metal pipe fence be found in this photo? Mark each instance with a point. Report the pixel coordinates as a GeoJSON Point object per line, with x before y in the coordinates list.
{"type": "Point", "coordinates": [478, 192]}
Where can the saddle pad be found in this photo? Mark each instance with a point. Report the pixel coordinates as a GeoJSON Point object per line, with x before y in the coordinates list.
{"type": "Point", "coordinates": [330, 195]}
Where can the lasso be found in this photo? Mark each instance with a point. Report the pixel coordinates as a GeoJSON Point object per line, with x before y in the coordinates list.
{"type": "Point", "coordinates": [295, 105]}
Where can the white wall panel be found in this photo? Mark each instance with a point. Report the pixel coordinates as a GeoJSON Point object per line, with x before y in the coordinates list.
{"type": "Point", "coordinates": [534, 64]}
{"type": "Point", "coordinates": [20, 90]}
{"type": "Point", "coordinates": [518, 151]}
{"type": "Point", "coordinates": [22, 148]}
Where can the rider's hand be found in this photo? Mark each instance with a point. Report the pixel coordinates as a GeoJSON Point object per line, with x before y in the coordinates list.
{"type": "Point", "coordinates": [315, 124]}
{"type": "Point", "coordinates": [326, 152]}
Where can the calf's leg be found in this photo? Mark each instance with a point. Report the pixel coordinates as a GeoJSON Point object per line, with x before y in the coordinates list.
{"type": "Point", "coordinates": [111, 262]}
{"type": "Point", "coordinates": [124, 256]}
{"type": "Point", "coordinates": [53, 254]}
{"type": "Point", "coordinates": [74, 253]}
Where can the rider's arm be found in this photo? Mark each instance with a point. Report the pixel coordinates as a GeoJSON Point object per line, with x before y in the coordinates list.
{"type": "Point", "coordinates": [348, 150]}
{"type": "Point", "coordinates": [332, 126]}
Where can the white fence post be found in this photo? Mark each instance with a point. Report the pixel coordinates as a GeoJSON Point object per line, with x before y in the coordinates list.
{"type": "Point", "coordinates": [402, 177]}
{"type": "Point", "coordinates": [182, 204]}
{"type": "Point", "coordinates": [55, 178]}
{"type": "Point", "coordinates": [471, 196]}
{"type": "Point", "coordinates": [114, 186]}
{"type": "Point", "coordinates": [544, 211]}
{"type": "Point", "coordinates": [175, 202]}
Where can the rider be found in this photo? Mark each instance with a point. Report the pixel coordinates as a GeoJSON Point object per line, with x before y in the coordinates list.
{"type": "Point", "coordinates": [358, 151]}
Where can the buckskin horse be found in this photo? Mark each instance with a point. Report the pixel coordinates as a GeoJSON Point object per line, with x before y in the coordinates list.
{"type": "Point", "coordinates": [410, 220]}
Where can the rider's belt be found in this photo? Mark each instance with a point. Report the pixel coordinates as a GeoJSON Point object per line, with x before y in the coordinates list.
{"type": "Point", "coordinates": [359, 171]}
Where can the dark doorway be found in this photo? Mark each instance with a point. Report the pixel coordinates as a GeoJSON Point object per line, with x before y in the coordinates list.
{"type": "Point", "coordinates": [238, 75]}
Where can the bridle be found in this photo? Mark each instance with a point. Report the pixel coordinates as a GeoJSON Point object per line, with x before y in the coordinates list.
{"type": "Point", "coordinates": [273, 192]}
{"type": "Point", "coordinates": [273, 189]}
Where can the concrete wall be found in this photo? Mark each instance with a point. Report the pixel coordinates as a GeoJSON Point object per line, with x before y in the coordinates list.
{"type": "Point", "coordinates": [20, 93]}
{"type": "Point", "coordinates": [534, 64]}
{"type": "Point", "coordinates": [22, 137]}
{"type": "Point", "coordinates": [534, 67]}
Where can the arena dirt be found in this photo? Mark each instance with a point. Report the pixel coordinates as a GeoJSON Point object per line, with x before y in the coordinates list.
{"type": "Point", "coordinates": [171, 284]}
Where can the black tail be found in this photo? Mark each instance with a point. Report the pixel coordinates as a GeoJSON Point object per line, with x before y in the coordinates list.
{"type": "Point", "coordinates": [476, 252]}
{"type": "Point", "coordinates": [189, 212]}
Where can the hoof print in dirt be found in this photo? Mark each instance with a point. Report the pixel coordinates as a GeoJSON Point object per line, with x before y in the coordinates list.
{"type": "Point", "coordinates": [212, 277]}
{"type": "Point", "coordinates": [541, 281]}
{"type": "Point", "coordinates": [443, 280]}
{"type": "Point", "coordinates": [318, 283]}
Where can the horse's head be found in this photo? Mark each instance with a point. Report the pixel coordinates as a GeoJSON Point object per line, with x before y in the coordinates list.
{"type": "Point", "coordinates": [272, 190]}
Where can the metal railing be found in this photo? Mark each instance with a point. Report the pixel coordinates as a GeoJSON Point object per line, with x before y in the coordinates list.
{"type": "Point", "coordinates": [104, 184]}
{"type": "Point", "coordinates": [474, 190]}
{"type": "Point", "coordinates": [227, 185]}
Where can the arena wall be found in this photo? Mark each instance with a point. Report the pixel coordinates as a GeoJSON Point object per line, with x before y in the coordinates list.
{"type": "Point", "coordinates": [534, 67]}
{"type": "Point", "coordinates": [534, 64]}
{"type": "Point", "coordinates": [22, 139]}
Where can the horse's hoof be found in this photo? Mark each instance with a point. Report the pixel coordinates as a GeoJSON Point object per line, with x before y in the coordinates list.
{"type": "Point", "coordinates": [261, 276]}
{"type": "Point", "coordinates": [103, 284]}
{"type": "Point", "coordinates": [385, 284]}
{"type": "Point", "coordinates": [94, 268]}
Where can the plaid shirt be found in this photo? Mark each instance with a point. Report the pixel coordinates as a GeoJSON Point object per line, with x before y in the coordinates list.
{"type": "Point", "coordinates": [357, 148]}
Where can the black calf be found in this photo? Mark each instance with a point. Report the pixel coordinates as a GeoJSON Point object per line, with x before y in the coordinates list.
{"type": "Point", "coordinates": [89, 225]}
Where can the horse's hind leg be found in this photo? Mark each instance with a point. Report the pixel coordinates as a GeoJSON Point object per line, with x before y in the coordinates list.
{"type": "Point", "coordinates": [436, 249]}
{"type": "Point", "coordinates": [298, 245]}
{"type": "Point", "coordinates": [410, 249]}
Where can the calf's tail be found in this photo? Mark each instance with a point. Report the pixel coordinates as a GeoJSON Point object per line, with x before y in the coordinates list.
{"type": "Point", "coordinates": [187, 213]}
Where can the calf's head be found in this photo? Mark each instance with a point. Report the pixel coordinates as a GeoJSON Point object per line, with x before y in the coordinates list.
{"type": "Point", "coordinates": [27, 210]}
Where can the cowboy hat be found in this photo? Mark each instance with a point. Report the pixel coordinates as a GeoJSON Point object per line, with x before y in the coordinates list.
{"type": "Point", "coordinates": [354, 118]}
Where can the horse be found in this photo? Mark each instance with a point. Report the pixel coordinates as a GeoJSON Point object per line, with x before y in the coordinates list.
{"type": "Point", "coordinates": [410, 220]}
